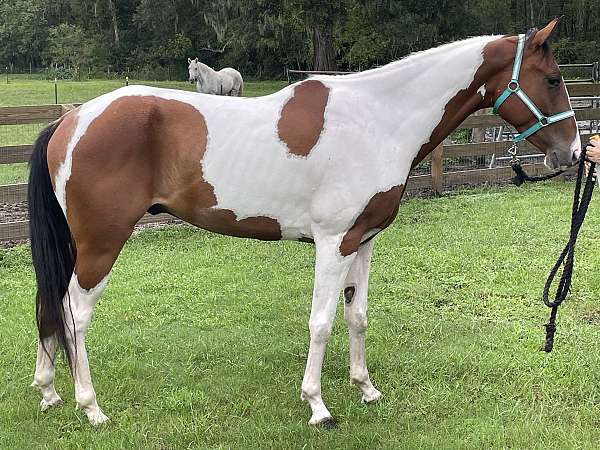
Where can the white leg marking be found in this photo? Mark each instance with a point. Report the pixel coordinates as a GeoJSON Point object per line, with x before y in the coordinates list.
{"type": "Point", "coordinates": [355, 313]}
{"type": "Point", "coordinates": [82, 304]}
{"type": "Point", "coordinates": [330, 271]}
{"type": "Point", "coordinates": [43, 378]}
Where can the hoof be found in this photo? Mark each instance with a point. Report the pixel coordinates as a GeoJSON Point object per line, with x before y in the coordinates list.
{"type": "Point", "coordinates": [373, 397]}
{"type": "Point", "coordinates": [97, 417]}
{"type": "Point", "coordinates": [328, 424]}
{"type": "Point", "coordinates": [324, 421]}
{"type": "Point", "coordinates": [47, 404]}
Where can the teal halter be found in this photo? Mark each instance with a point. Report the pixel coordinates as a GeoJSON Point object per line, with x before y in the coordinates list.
{"type": "Point", "coordinates": [515, 88]}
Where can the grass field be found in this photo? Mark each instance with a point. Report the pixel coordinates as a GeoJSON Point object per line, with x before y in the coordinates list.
{"type": "Point", "coordinates": [200, 340]}
{"type": "Point", "coordinates": [40, 92]}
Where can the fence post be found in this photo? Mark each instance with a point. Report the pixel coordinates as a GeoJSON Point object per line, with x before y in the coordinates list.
{"type": "Point", "coordinates": [6, 74]}
{"type": "Point", "coordinates": [55, 91]}
{"type": "Point", "coordinates": [126, 81]}
{"type": "Point", "coordinates": [437, 169]}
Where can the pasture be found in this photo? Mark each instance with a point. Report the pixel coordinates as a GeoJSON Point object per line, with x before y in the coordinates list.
{"type": "Point", "coordinates": [200, 340]}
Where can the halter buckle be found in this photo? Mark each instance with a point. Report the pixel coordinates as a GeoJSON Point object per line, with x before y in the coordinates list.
{"type": "Point", "coordinates": [544, 121]}
{"type": "Point", "coordinates": [513, 86]}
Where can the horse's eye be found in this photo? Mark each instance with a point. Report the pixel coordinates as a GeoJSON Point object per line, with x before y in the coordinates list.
{"type": "Point", "coordinates": [553, 81]}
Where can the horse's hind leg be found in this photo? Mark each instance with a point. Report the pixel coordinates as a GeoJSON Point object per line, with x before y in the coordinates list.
{"type": "Point", "coordinates": [79, 306]}
{"type": "Point", "coordinates": [98, 246]}
{"type": "Point", "coordinates": [355, 313]}
{"type": "Point", "coordinates": [44, 373]}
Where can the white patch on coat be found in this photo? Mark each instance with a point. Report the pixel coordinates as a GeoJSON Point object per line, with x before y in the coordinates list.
{"type": "Point", "coordinates": [482, 90]}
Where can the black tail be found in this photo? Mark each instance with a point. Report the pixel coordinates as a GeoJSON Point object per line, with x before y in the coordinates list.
{"type": "Point", "coordinates": [52, 248]}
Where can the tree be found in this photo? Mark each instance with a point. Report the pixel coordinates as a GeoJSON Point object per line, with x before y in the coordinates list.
{"type": "Point", "coordinates": [23, 31]}
{"type": "Point", "coordinates": [68, 46]}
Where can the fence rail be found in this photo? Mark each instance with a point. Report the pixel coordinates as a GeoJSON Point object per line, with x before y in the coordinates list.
{"type": "Point", "coordinates": [593, 68]}
{"type": "Point", "coordinates": [16, 115]}
{"type": "Point", "coordinates": [16, 231]}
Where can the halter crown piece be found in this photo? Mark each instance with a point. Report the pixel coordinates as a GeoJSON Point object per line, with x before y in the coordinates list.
{"type": "Point", "coordinates": [515, 88]}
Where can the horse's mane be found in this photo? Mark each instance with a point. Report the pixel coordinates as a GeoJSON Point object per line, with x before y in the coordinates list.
{"type": "Point", "coordinates": [413, 57]}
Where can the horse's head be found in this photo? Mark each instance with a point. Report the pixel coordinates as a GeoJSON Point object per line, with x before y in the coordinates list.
{"type": "Point", "coordinates": [534, 99]}
{"type": "Point", "coordinates": [193, 69]}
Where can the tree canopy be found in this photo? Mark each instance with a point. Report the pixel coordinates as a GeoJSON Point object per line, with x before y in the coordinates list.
{"type": "Point", "coordinates": [262, 37]}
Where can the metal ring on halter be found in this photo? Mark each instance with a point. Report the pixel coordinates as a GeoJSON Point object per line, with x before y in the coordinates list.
{"type": "Point", "coordinates": [544, 121]}
{"type": "Point", "coordinates": [516, 85]}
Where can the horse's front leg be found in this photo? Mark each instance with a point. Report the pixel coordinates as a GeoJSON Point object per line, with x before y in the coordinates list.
{"type": "Point", "coordinates": [355, 313]}
{"type": "Point", "coordinates": [330, 272]}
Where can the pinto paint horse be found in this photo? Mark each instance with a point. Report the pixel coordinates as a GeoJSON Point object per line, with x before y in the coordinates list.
{"type": "Point", "coordinates": [324, 160]}
{"type": "Point", "coordinates": [227, 81]}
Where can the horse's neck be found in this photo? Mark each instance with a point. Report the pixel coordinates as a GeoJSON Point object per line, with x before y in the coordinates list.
{"type": "Point", "coordinates": [207, 74]}
{"type": "Point", "coordinates": [427, 95]}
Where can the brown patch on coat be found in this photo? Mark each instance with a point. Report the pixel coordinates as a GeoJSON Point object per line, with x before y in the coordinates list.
{"type": "Point", "coordinates": [59, 142]}
{"type": "Point", "coordinates": [379, 213]}
{"type": "Point", "coordinates": [224, 221]}
{"type": "Point", "coordinates": [303, 117]}
{"type": "Point", "coordinates": [141, 151]}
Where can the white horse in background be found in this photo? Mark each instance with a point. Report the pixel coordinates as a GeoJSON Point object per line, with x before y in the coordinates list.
{"type": "Point", "coordinates": [227, 81]}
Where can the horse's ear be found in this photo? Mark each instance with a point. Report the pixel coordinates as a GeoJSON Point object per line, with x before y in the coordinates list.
{"type": "Point", "coordinates": [189, 61]}
{"type": "Point", "coordinates": [540, 37]}
{"type": "Point", "coordinates": [196, 59]}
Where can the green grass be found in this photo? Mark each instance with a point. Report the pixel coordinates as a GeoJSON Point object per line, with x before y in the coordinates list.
{"type": "Point", "coordinates": [200, 340]}
{"type": "Point", "coordinates": [39, 92]}
{"type": "Point", "coordinates": [13, 173]}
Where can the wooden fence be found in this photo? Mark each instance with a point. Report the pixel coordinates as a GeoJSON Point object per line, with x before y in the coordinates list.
{"type": "Point", "coordinates": [437, 180]}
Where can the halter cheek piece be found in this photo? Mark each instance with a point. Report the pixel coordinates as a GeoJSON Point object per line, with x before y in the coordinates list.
{"type": "Point", "coordinates": [515, 88]}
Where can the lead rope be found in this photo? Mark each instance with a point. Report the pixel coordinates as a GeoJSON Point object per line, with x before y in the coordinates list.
{"type": "Point", "coordinates": [580, 206]}
{"type": "Point", "coordinates": [520, 174]}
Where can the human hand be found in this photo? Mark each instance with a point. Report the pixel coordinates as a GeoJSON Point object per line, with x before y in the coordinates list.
{"type": "Point", "coordinates": [592, 153]}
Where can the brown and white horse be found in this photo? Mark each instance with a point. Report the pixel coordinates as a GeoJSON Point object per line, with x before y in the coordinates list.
{"type": "Point", "coordinates": [324, 161]}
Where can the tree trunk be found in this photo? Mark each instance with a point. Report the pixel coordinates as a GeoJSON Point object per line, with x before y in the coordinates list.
{"type": "Point", "coordinates": [532, 19]}
{"type": "Point", "coordinates": [113, 15]}
{"type": "Point", "coordinates": [323, 51]}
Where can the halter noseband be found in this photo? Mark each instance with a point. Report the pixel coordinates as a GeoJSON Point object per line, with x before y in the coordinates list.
{"type": "Point", "coordinates": [515, 88]}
